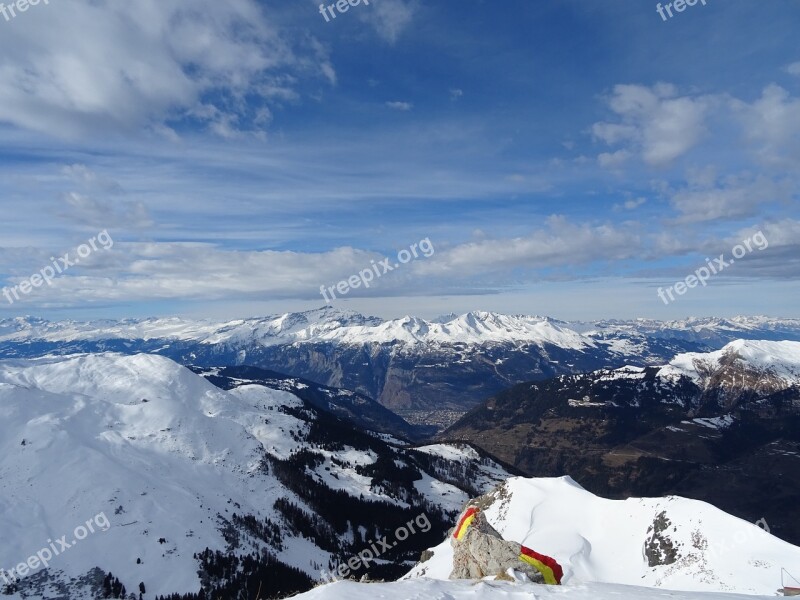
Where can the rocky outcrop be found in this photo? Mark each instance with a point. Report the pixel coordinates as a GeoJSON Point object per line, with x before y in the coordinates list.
{"type": "Point", "coordinates": [480, 551]}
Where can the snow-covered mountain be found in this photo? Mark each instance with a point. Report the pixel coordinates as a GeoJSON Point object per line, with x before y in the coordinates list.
{"type": "Point", "coordinates": [639, 548]}
{"type": "Point", "coordinates": [347, 327]}
{"type": "Point", "coordinates": [773, 363]}
{"type": "Point", "coordinates": [672, 543]}
{"type": "Point", "coordinates": [132, 469]}
{"type": "Point", "coordinates": [360, 410]}
{"type": "Point", "coordinates": [722, 426]}
{"type": "Point", "coordinates": [450, 363]}
{"type": "Point", "coordinates": [188, 484]}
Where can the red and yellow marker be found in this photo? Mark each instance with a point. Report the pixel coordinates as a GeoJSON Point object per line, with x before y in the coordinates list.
{"type": "Point", "coordinates": [547, 566]}
{"type": "Point", "coordinates": [465, 522]}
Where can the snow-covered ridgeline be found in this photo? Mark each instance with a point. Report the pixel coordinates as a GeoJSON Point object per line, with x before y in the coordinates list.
{"type": "Point", "coordinates": [347, 327]}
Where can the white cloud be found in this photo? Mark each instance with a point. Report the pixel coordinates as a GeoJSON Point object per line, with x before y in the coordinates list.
{"type": "Point", "coordinates": [772, 125]}
{"type": "Point", "coordinates": [103, 214]}
{"type": "Point", "coordinates": [654, 123]}
{"type": "Point", "coordinates": [402, 106]}
{"type": "Point", "coordinates": [99, 203]}
{"type": "Point", "coordinates": [560, 250]}
{"type": "Point", "coordinates": [793, 68]}
{"type": "Point", "coordinates": [614, 133]}
{"type": "Point", "coordinates": [632, 204]}
{"type": "Point", "coordinates": [612, 160]}
{"type": "Point", "coordinates": [389, 17]}
{"type": "Point", "coordinates": [84, 176]}
{"type": "Point", "coordinates": [139, 271]}
{"type": "Point", "coordinates": [115, 67]}
{"type": "Point", "coordinates": [733, 197]}
{"type": "Point", "coordinates": [659, 126]}
{"type": "Point", "coordinates": [559, 243]}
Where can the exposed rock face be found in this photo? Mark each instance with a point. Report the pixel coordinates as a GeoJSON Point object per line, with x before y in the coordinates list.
{"type": "Point", "coordinates": [482, 552]}
{"type": "Point", "coordinates": [658, 547]}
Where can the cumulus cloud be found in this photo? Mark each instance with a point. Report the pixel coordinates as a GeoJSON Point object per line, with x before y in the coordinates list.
{"type": "Point", "coordinates": [559, 243]}
{"type": "Point", "coordinates": [707, 198]}
{"type": "Point", "coordinates": [560, 249]}
{"type": "Point", "coordinates": [99, 201]}
{"type": "Point", "coordinates": [780, 259]}
{"type": "Point", "coordinates": [91, 66]}
{"type": "Point", "coordinates": [389, 17]}
{"type": "Point", "coordinates": [653, 122]}
{"type": "Point", "coordinates": [612, 160]}
{"type": "Point", "coordinates": [772, 125]}
{"type": "Point", "coordinates": [631, 204]}
{"type": "Point", "coordinates": [139, 271]}
{"type": "Point", "coordinates": [658, 125]}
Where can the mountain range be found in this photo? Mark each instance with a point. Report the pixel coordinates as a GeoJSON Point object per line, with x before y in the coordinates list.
{"type": "Point", "coordinates": [418, 368]}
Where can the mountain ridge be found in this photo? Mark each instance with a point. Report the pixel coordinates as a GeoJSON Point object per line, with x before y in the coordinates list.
{"type": "Point", "coordinates": [412, 366]}
{"type": "Point", "coordinates": [206, 485]}
{"type": "Point", "coordinates": [343, 326]}
{"type": "Point", "coordinates": [669, 543]}
{"type": "Point", "coordinates": [714, 426]}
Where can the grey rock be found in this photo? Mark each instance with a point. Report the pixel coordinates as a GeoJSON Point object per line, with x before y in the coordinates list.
{"type": "Point", "coordinates": [482, 552]}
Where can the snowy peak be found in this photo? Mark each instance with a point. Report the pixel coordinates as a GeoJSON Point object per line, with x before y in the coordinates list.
{"type": "Point", "coordinates": [289, 327]}
{"type": "Point", "coordinates": [754, 368]}
{"type": "Point", "coordinates": [754, 373]}
{"type": "Point", "coordinates": [191, 476]}
{"type": "Point", "coordinates": [116, 377]}
{"type": "Point", "coordinates": [329, 325]}
{"type": "Point", "coordinates": [779, 361]}
{"type": "Point", "coordinates": [473, 328]}
{"type": "Point", "coordinates": [672, 543]}
{"type": "Point", "coordinates": [447, 365]}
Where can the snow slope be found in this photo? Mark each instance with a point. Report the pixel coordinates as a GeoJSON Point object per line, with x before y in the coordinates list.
{"type": "Point", "coordinates": [163, 468]}
{"type": "Point", "coordinates": [779, 359]}
{"type": "Point", "coordinates": [601, 540]}
{"type": "Point", "coordinates": [429, 589]}
{"type": "Point", "coordinates": [167, 457]}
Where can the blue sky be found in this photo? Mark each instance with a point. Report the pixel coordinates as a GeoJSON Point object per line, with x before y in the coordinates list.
{"type": "Point", "coordinates": [563, 157]}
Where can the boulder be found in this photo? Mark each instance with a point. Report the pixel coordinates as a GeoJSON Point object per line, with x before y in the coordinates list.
{"type": "Point", "coordinates": [480, 551]}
